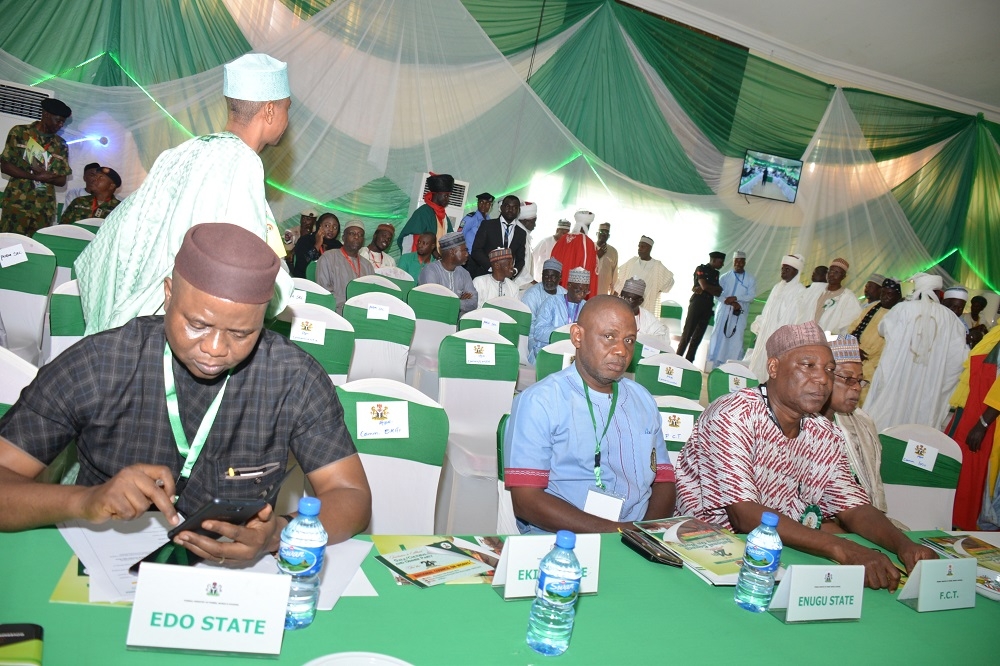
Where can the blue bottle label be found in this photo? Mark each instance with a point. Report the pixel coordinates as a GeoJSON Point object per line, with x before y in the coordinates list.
{"type": "Point", "coordinates": [760, 559]}
{"type": "Point", "coordinates": [558, 591]}
{"type": "Point", "coordinates": [299, 561]}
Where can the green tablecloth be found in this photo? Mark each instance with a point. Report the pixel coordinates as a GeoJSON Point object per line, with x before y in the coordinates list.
{"type": "Point", "coordinates": [644, 613]}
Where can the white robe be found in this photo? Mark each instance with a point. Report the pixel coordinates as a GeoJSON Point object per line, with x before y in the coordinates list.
{"type": "Point", "coordinates": [526, 276]}
{"type": "Point", "coordinates": [657, 277]}
{"type": "Point", "coordinates": [783, 307]}
{"type": "Point", "coordinates": [723, 347]}
{"type": "Point", "coordinates": [922, 360]}
{"type": "Point", "coordinates": [488, 288]}
{"type": "Point", "coordinates": [838, 314]}
{"type": "Point", "coordinates": [378, 261]}
{"type": "Point", "coordinates": [538, 256]}
{"type": "Point", "coordinates": [649, 324]}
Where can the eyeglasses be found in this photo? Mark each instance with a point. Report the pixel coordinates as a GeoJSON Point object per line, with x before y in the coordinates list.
{"type": "Point", "coordinates": [852, 381]}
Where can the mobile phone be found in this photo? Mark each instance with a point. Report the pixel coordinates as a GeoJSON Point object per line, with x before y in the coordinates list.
{"type": "Point", "coordinates": [650, 548]}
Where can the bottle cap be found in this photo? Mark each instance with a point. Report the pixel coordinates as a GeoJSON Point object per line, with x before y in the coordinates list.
{"type": "Point", "coordinates": [565, 539]}
{"type": "Point", "coordinates": [769, 519]}
{"type": "Point", "coordinates": [309, 506]}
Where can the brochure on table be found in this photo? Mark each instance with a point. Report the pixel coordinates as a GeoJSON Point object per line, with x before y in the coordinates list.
{"type": "Point", "coordinates": [517, 574]}
{"type": "Point", "coordinates": [819, 593]}
{"type": "Point", "coordinates": [714, 554]}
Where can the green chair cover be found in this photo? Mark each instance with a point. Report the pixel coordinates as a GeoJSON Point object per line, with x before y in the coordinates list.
{"type": "Point", "coordinates": [895, 471]}
{"type": "Point", "coordinates": [637, 355]}
{"type": "Point", "coordinates": [433, 307]}
{"type": "Point", "coordinates": [523, 319]}
{"type": "Point", "coordinates": [509, 331]}
{"type": "Point", "coordinates": [65, 249]}
{"type": "Point", "coordinates": [719, 383]}
{"type": "Point", "coordinates": [33, 276]}
{"type": "Point", "coordinates": [671, 429]}
{"type": "Point", "coordinates": [92, 228]}
{"type": "Point", "coordinates": [404, 286]}
{"type": "Point", "coordinates": [648, 376]}
{"type": "Point", "coordinates": [66, 315]}
{"type": "Point", "coordinates": [311, 271]}
{"type": "Point", "coordinates": [395, 329]}
{"type": "Point", "coordinates": [428, 430]}
{"type": "Point", "coordinates": [557, 335]}
{"type": "Point", "coordinates": [547, 363]}
{"type": "Point", "coordinates": [452, 361]}
{"type": "Point", "coordinates": [357, 287]}
{"type": "Point", "coordinates": [501, 431]}
{"type": "Point", "coordinates": [670, 310]}
{"type": "Point", "coordinates": [328, 301]}
{"type": "Point", "coordinates": [4, 409]}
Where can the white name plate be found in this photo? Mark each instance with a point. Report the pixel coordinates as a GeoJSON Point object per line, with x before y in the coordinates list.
{"type": "Point", "coordinates": [940, 585]}
{"type": "Point", "coordinates": [213, 609]}
{"type": "Point", "coordinates": [670, 375]}
{"type": "Point", "coordinates": [819, 593]}
{"type": "Point", "coordinates": [13, 255]}
{"type": "Point", "coordinates": [516, 576]}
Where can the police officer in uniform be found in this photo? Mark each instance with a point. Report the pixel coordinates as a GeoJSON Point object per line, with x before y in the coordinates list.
{"type": "Point", "coordinates": [706, 288]}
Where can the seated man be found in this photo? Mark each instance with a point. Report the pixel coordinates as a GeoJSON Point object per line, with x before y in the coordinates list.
{"type": "Point", "coordinates": [335, 269]}
{"type": "Point", "coordinates": [556, 312]}
{"type": "Point", "coordinates": [497, 282]}
{"type": "Point", "coordinates": [132, 396]}
{"type": "Point", "coordinates": [864, 451]}
{"type": "Point", "coordinates": [101, 184]}
{"type": "Point", "coordinates": [583, 449]}
{"type": "Point", "coordinates": [765, 449]}
{"type": "Point", "coordinates": [646, 322]}
{"type": "Point", "coordinates": [450, 273]}
{"type": "Point", "coordinates": [376, 251]}
{"type": "Point", "coordinates": [414, 262]}
{"type": "Point", "coordinates": [540, 292]}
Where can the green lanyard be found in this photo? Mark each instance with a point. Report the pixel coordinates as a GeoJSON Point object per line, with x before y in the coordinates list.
{"type": "Point", "coordinates": [611, 414]}
{"type": "Point", "coordinates": [189, 451]}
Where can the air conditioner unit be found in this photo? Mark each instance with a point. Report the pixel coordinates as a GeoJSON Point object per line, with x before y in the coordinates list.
{"type": "Point", "coordinates": [456, 202]}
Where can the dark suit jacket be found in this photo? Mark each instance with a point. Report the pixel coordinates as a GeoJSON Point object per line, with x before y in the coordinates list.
{"type": "Point", "coordinates": [490, 237]}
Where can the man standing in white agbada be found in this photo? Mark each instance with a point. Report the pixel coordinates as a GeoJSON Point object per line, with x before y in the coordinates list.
{"type": "Point", "coordinates": [922, 360]}
{"type": "Point", "coordinates": [607, 260]}
{"type": "Point", "coordinates": [526, 219]}
{"type": "Point", "coordinates": [657, 277]}
{"type": "Point", "coordinates": [213, 178]}
{"type": "Point", "coordinates": [646, 323]}
{"type": "Point", "coordinates": [782, 307]}
{"type": "Point", "coordinates": [733, 306]}
{"type": "Point", "coordinates": [835, 307]}
{"type": "Point", "coordinates": [544, 249]}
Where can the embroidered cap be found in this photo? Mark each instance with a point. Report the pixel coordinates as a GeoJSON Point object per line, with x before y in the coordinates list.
{"type": "Point", "coordinates": [635, 286]}
{"type": "Point", "coordinates": [792, 336]}
{"type": "Point", "coordinates": [453, 239]}
{"type": "Point", "coordinates": [256, 77]}
{"type": "Point", "coordinates": [500, 253]}
{"type": "Point", "coordinates": [227, 261]}
{"type": "Point", "coordinates": [579, 275]}
{"type": "Point", "coordinates": [647, 240]}
{"type": "Point", "coordinates": [552, 265]}
{"type": "Point", "coordinates": [845, 349]}
{"type": "Point", "coordinates": [562, 224]}
{"type": "Point", "coordinates": [840, 262]}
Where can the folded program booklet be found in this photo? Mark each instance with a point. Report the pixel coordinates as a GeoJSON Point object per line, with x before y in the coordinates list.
{"type": "Point", "coordinates": [711, 552]}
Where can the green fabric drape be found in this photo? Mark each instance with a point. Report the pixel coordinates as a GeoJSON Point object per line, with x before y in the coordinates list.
{"type": "Point", "coordinates": [33, 276]}
{"type": "Point", "coordinates": [895, 127]}
{"type": "Point", "coordinates": [895, 471]}
{"type": "Point", "coordinates": [512, 25]}
{"type": "Point", "coordinates": [65, 249]}
{"type": "Point", "coordinates": [601, 96]}
{"type": "Point", "coordinates": [138, 35]}
{"type": "Point", "coordinates": [738, 100]}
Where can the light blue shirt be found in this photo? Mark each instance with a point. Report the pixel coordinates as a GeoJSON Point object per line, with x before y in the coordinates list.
{"type": "Point", "coordinates": [470, 225]}
{"type": "Point", "coordinates": [553, 313]}
{"type": "Point", "coordinates": [550, 439]}
{"type": "Point", "coordinates": [535, 295]}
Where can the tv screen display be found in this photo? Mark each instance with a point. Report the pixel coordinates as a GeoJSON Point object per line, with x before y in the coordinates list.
{"type": "Point", "coordinates": [770, 176]}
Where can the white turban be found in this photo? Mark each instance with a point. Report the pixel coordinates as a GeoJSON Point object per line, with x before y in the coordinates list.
{"type": "Point", "coordinates": [583, 220]}
{"type": "Point", "coordinates": [529, 210]}
{"type": "Point", "coordinates": [924, 285]}
{"type": "Point", "coordinates": [957, 292]}
{"type": "Point", "coordinates": [793, 260]}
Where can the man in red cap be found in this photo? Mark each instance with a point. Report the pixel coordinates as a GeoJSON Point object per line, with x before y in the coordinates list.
{"type": "Point", "coordinates": [768, 449]}
{"type": "Point", "coordinates": [199, 402]}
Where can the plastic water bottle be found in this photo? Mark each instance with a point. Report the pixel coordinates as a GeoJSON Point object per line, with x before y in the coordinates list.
{"type": "Point", "coordinates": [551, 620]}
{"type": "Point", "coordinates": [761, 559]}
{"type": "Point", "coordinates": [303, 543]}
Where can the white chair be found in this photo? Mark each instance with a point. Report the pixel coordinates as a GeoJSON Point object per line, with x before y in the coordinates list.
{"type": "Point", "coordinates": [367, 284]}
{"type": "Point", "coordinates": [436, 309]}
{"type": "Point", "coordinates": [919, 498]}
{"type": "Point", "coordinates": [561, 333]}
{"type": "Point", "coordinates": [17, 373]}
{"type": "Point", "coordinates": [553, 358]}
{"type": "Point", "coordinates": [67, 242]}
{"type": "Point", "coordinates": [478, 371]}
{"type": "Point", "coordinates": [64, 324]}
{"type": "Point", "coordinates": [730, 377]}
{"type": "Point", "coordinates": [672, 313]}
{"type": "Point", "coordinates": [91, 224]}
{"type": "Point", "coordinates": [24, 295]}
{"type": "Point", "coordinates": [506, 520]}
{"type": "Point", "coordinates": [522, 315]}
{"type": "Point", "coordinates": [398, 277]}
{"type": "Point", "coordinates": [403, 473]}
{"type": "Point", "coordinates": [677, 417]}
{"type": "Point", "coordinates": [383, 330]}
{"type": "Point", "coordinates": [335, 353]}
{"type": "Point", "coordinates": [645, 346]}
{"type": "Point", "coordinates": [307, 291]}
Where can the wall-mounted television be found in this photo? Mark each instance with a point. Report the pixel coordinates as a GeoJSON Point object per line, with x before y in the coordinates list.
{"type": "Point", "coordinates": [770, 176]}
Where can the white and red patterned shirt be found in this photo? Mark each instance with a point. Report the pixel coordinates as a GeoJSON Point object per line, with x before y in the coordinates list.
{"type": "Point", "coordinates": [737, 453]}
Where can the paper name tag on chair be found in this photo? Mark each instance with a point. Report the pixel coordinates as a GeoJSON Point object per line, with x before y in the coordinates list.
{"type": "Point", "coordinates": [648, 351]}
{"type": "Point", "coordinates": [480, 353]}
{"type": "Point", "coordinates": [385, 419]}
{"type": "Point", "coordinates": [13, 255]}
{"type": "Point", "coordinates": [376, 311]}
{"type": "Point", "coordinates": [516, 576]}
{"type": "Point", "coordinates": [676, 427]}
{"type": "Point", "coordinates": [490, 324]}
{"type": "Point", "coordinates": [308, 330]}
{"type": "Point", "coordinates": [920, 455]}
{"type": "Point", "coordinates": [940, 585]}
{"type": "Point", "coordinates": [819, 593]}
{"type": "Point", "coordinates": [297, 296]}
{"type": "Point", "coordinates": [670, 375]}
{"type": "Point", "coordinates": [210, 608]}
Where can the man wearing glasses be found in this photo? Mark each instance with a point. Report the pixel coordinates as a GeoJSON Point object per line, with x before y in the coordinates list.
{"type": "Point", "coordinates": [768, 449]}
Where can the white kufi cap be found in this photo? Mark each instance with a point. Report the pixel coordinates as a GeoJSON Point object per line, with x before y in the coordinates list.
{"type": "Point", "coordinates": [256, 77]}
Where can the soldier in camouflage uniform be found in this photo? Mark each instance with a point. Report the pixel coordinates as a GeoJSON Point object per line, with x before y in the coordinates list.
{"type": "Point", "coordinates": [37, 161]}
{"type": "Point", "coordinates": [99, 204]}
